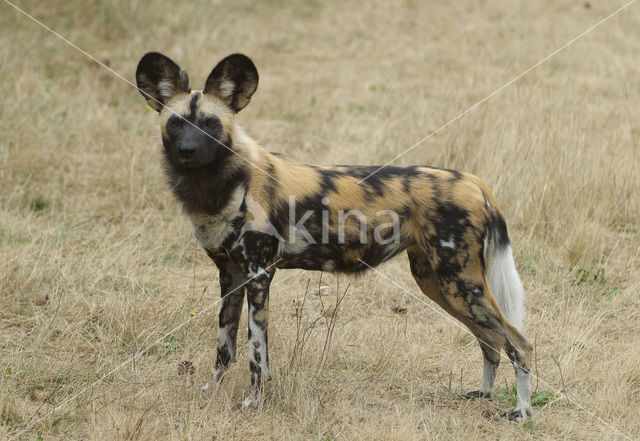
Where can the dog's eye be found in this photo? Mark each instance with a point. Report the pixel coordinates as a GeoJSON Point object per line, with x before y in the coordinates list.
{"type": "Point", "coordinates": [212, 123]}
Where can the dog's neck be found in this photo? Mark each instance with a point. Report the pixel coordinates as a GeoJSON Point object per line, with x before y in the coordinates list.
{"type": "Point", "coordinates": [206, 189]}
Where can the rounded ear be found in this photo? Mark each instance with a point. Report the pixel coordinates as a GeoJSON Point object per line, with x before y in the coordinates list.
{"type": "Point", "coordinates": [159, 78]}
{"type": "Point", "coordinates": [233, 80]}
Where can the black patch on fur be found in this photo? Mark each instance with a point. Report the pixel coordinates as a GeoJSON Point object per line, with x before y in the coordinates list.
{"type": "Point", "coordinates": [223, 356]}
{"type": "Point", "coordinates": [193, 106]}
{"type": "Point", "coordinates": [498, 228]}
{"type": "Point", "coordinates": [327, 185]}
{"type": "Point", "coordinates": [451, 221]}
{"type": "Point", "coordinates": [202, 189]}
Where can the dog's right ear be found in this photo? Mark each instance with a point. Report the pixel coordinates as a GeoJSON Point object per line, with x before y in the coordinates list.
{"type": "Point", "coordinates": [159, 79]}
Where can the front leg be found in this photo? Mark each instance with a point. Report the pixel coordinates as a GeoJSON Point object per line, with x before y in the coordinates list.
{"type": "Point", "coordinates": [258, 301]}
{"type": "Point", "coordinates": [232, 291]}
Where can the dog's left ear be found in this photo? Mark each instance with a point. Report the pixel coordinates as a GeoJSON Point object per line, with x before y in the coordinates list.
{"type": "Point", "coordinates": [233, 80]}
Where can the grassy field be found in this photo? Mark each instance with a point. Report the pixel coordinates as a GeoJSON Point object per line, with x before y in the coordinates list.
{"type": "Point", "coordinates": [97, 263]}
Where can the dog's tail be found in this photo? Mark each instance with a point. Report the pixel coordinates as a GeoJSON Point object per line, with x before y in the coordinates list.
{"type": "Point", "coordinates": [501, 271]}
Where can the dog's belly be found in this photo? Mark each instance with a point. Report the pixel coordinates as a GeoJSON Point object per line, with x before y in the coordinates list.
{"type": "Point", "coordinates": [344, 258]}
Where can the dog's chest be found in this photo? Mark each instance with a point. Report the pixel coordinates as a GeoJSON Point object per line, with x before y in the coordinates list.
{"type": "Point", "coordinates": [212, 230]}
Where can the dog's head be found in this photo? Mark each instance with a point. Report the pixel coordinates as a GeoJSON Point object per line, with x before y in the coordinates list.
{"type": "Point", "coordinates": [197, 126]}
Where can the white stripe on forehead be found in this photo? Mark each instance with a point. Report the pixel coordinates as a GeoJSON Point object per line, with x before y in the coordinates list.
{"type": "Point", "coordinates": [207, 104]}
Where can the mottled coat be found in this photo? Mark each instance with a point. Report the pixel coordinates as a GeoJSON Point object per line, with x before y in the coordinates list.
{"type": "Point", "coordinates": [254, 211]}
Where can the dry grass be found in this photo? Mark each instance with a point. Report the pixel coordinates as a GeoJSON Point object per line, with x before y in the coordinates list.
{"type": "Point", "coordinates": [96, 262]}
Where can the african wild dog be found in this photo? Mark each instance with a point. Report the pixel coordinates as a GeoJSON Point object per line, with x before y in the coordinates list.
{"type": "Point", "coordinates": [254, 211]}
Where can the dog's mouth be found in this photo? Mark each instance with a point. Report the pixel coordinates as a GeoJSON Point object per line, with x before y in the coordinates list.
{"type": "Point", "coordinates": [188, 162]}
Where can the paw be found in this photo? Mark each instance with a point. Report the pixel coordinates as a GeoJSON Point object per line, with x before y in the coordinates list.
{"type": "Point", "coordinates": [249, 401]}
{"type": "Point", "coordinates": [477, 394]}
{"type": "Point", "coordinates": [252, 399]}
{"type": "Point", "coordinates": [517, 415]}
{"type": "Point", "coordinates": [218, 374]}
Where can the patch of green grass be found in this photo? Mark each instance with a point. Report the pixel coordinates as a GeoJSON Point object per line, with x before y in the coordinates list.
{"type": "Point", "coordinates": [319, 436]}
{"type": "Point", "coordinates": [509, 396]}
{"type": "Point", "coordinates": [38, 203]}
{"type": "Point", "coordinates": [530, 426]}
{"type": "Point", "coordinates": [453, 390]}
{"type": "Point", "coordinates": [538, 399]}
{"type": "Point", "coordinates": [613, 292]}
{"type": "Point", "coordinates": [581, 276]}
{"type": "Point", "coordinates": [293, 117]}
{"type": "Point", "coordinates": [586, 276]}
{"type": "Point", "coordinates": [543, 397]}
{"type": "Point", "coordinates": [9, 425]}
{"type": "Point", "coordinates": [168, 346]}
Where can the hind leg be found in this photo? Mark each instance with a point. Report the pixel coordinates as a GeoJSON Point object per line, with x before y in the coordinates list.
{"type": "Point", "coordinates": [465, 295]}
{"type": "Point", "coordinates": [430, 286]}
{"type": "Point", "coordinates": [491, 361]}
{"type": "Point", "coordinates": [520, 356]}
{"type": "Point", "coordinates": [429, 283]}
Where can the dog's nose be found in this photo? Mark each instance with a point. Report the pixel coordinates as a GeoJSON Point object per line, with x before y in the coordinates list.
{"type": "Point", "coordinates": [187, 149]}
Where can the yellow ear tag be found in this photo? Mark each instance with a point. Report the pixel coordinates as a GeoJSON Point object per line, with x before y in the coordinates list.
{"type": "Point", "coordinates": [149, 107]}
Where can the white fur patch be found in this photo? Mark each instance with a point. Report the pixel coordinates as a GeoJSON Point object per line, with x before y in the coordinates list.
{"type": "Point", "coordinates": [227, 88]}
{"type": "Point", "coordinates": [523, 389]}
{"type": "Point", "coordinates": [329, 266]}
{"type": "Point", "coordinates": [212, 230]}
{"type": "Point", "coordinates": [249, 401]}
{"type": "Point", "coordinates": [451, 244]}
{"type": "Point", "coordinates": [485, 250]}
{"type": "Point", "coordinates": [254, 274]}
{"type": "Point", "coordinates": [488, 377]}
{"type": "Point", "coordinates": [506, 286]}
{"type": "Point", "coordinates": [165, 87]}
{"type": "Point", "coordinates": [258, 342]}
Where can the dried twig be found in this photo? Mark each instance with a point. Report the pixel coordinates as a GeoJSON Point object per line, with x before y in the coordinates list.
{"type": "Point", "coordinates": [564, 387]}
{"type": "Point", "coordinates": [535, 361]}
{"type": "Point", "coordinates": [331, 325]}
